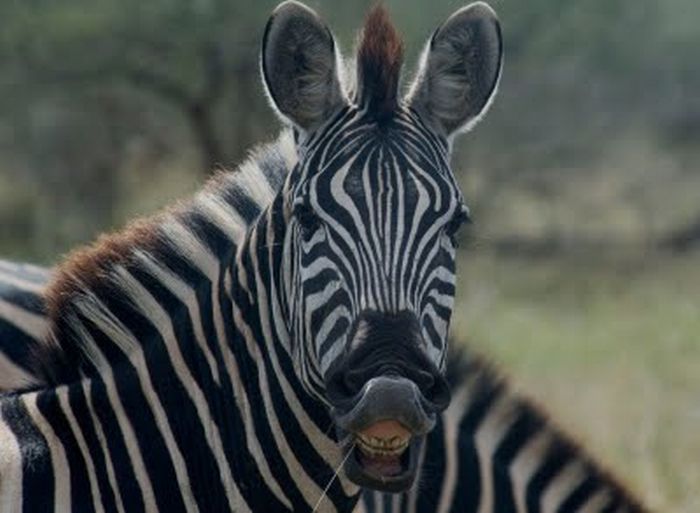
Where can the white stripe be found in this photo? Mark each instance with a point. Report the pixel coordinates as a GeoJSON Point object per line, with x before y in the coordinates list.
{"type": "Point", "coordinates": [451, 419]}
{"type": "Point", "coordinates": [103, 445]}
{"type": "Point", "coordinates": [10, 470]}
{"type": "Point", "coordinates": [222, 214]}
{"type": "Point", "coordinates": [59, 462]}
{"type": "Point", "coordinates": [415, 490]}
{"type": "Point", "coordinates": [396, 503]}
{"type": "Point", "coordinates": [162, 321]}
{"type": "Point", "coordinates": [130, 440]}
{"type": "Point", "coordinates": [32, 324]}
{"type": "Point", "coordinates": [562, 485]}
{"type": "Point", "coordinates": [24, 268]}
{"type": "Point", "coordinates": [18, 282]}
{"type": "Point", "coordinates": [487, 438]}
{"type": "Point", "coordinates": [526, 463]}
{"type": "Point", "coordinates": [62, 393]}
{"type": "Point", "coordinates": [596, 503]}
{"type": "Point", "coordinates": [121, 337]}
{"type": "Point", "coordinates": [360, 508]}
{"type": "Point", "coordinates": [13, 377]}
{"type": "Point", "coordinates": [250, 180]}
{"type": "Point", "coordinates": [186, 295]}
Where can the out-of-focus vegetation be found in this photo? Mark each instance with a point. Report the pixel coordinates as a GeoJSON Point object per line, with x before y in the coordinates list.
{"type": "Point", "coordinates": [584, 174]}
{"type": "Point", "coordinates": [110, 107]}
{"type": "Point", "coordinates": [610, 346]}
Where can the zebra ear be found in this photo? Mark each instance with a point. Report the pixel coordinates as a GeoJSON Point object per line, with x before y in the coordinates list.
{"type": "Point", "coordinates": [300, 66]}
{"type": "Point", "coordinates": [459, 70]}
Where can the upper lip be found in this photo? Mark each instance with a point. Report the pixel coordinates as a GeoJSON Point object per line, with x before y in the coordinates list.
{"type": "Point", "coordinates": [405, 405]}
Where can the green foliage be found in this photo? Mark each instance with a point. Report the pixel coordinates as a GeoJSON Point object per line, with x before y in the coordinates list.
{"type": "Point", "coordinates": [609, 346]}
{"type": "Point", "coordinates": [91, 90]}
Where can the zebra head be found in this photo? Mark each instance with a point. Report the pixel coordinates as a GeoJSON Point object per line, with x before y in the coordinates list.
{"type": "Point", "coordinates": [371, 209]}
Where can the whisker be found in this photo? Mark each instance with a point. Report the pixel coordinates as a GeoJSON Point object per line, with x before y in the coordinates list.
{"type": "Point", "coordinates": [335, 474]}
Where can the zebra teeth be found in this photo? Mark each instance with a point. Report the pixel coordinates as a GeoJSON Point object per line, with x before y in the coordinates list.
{"type": "Point", "coordinates": [374, 446]}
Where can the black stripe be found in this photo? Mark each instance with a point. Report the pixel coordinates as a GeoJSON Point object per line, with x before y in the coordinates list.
{"type": "Point", "coordinates": [432, 473]}
{"type": "Point", "coordinates": [468, 494]}
{"type": "Point", "coordinates": [553, 462]}
{"type": "Point", "coordinates": [81, 494]}
{"type": "Point", "coordinates": [152, 446]}
{"type": "Point", "coordinates": [23, 299]}
{"type": "Point", "coordinates": [78, 405]}
{"type": "Point", "coordinates": [520, 432]}
{"type": "Point", "coordinates": [123, 467]}
{"type": "Point", "coordinates": [17, 345]}
{"type": "Point", "coordinates": [38, 487]}
{"type": "Point", "coordinates": [579, 495]}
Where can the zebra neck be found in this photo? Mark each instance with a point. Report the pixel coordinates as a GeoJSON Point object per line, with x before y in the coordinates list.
{"type": "Point", "coordinates": [174, 326]}
{"type": "Point", "coordinates": [185, 248]}
{"type": "Point", "coordinates": [261, 316]}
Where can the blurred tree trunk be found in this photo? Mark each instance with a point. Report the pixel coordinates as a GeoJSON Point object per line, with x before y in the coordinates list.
{"type": "Point", "coordinates": [200, 116]}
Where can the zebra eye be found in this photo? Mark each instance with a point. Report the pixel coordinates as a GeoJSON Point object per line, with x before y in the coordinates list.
{"type": "Point", "coordinates": [459, 219]}
{"type": "Point", "coordinates": [307, 219]}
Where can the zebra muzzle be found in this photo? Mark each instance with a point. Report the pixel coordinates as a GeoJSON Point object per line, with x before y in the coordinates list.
{"type": "Point", "coordinates": [384, 431]}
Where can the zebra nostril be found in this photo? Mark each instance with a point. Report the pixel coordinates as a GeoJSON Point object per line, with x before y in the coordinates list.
{"type": "Point", "coordinates": [423, 379]}
{"type": "Point", "coordinates": [354, 380]}
{"type": "Point", "coordinates": [438, 394]}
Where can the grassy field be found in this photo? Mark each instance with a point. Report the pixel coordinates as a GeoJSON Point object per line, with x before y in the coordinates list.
{"type": "Point", "coordinates": [610, 346]}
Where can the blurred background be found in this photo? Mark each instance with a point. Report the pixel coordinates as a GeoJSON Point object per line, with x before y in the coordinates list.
{"type": "Point", "coordinates": [581, 276]}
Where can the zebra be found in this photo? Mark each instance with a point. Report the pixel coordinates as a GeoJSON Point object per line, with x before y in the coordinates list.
{"type": "Point", "coordinates": [224, 357]}
{"type": "Point", "coordinates": [163, 336]}
{"type": "Point", "coordinates": [487, 433]}
{"type": "Point", "coordinates": [23, 324]}
{"type": "Point", "coordinates": [572, 480]}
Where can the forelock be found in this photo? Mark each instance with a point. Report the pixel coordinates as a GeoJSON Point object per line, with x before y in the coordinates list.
{"type": "Point", "coordinates": [379, 59]}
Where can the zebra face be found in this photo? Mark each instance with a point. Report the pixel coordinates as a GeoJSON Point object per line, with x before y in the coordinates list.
{"type": "Point", "coordinates": [373, 209]}
{"type": "Point", "coordinates": [374, 212]}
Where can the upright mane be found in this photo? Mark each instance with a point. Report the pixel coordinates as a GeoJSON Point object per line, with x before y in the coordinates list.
{"type": "Point", "coordinates": [379, 60]}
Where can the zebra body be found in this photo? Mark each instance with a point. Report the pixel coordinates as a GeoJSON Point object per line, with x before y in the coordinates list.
{"type": "Point", "coordinates": [233, 353]}
{"type": "Point", "coordinates": [488, 434]}
{"type": "Point", "coordinates": [23, 323]}
{"type": "Point", "coordinates": [192, 425]}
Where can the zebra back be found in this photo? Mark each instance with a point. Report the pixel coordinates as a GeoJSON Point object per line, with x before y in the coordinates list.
{"type": "Point", "coordinates": [496, 451]}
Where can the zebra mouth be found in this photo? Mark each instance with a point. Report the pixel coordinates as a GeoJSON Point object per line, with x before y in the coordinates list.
{"type": "Point", "coordinates": [381, 448]}
{"type": "Point", "coordinates": [384, 426]}
{"type": "Point", "coordinates": [384, 457]}
{"type": "Point", "coordinates": [387, 471]}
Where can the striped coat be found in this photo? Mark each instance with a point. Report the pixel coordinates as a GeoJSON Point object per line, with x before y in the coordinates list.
{"type": "Point", "coordinates": [486, 427]}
